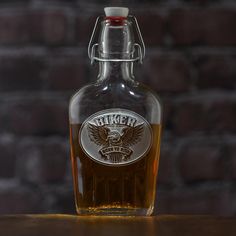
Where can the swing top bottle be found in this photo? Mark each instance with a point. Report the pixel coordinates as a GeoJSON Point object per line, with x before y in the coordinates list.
{"type": "Point", "coordinates": [115, 125]}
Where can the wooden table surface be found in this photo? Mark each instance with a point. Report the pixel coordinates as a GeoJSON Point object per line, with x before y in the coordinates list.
{"type": "Point", "coordinates": [69, 225]}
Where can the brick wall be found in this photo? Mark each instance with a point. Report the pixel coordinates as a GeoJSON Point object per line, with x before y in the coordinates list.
{"type": "Point", "coordinates": [191, 63]}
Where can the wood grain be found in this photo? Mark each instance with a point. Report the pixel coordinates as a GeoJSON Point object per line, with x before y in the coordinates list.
{"type": "Point", "coordinates": [69, 225]}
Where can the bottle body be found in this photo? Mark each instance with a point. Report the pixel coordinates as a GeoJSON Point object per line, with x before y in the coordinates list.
{"type": "Point", "coordinates": [110, 188]}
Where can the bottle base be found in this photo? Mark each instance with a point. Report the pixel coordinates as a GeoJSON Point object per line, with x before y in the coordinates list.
{"type": "Point", "coordinates": [115, 211]}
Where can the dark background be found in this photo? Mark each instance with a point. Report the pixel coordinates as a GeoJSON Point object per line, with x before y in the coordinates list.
{"type": "Point", "coordinates": [190, 62]}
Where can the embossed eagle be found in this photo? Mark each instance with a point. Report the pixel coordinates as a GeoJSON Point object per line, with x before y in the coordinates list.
{"type": "Point", "coordinates": [103, 136]}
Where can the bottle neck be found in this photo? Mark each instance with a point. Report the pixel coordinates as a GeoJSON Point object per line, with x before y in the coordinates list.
{"type": "Point", "coordinates": [116, 42]}
{"type": "Point", "coordinates": [116, 71]}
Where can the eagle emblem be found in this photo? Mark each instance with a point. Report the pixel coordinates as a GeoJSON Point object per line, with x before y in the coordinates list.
{"type": "Point", "coordinates": [115, 143]}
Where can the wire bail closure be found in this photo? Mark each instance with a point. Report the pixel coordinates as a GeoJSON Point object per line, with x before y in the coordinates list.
{"type": "Point", "coordinates": [139, 48]}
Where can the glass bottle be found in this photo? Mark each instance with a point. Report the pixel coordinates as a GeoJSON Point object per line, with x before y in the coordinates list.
{"type": "Point", "coordinates": [115, 126]}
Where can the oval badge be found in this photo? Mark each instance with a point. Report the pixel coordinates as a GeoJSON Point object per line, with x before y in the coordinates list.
{"type": "Point", "coordinates": [115, 137]}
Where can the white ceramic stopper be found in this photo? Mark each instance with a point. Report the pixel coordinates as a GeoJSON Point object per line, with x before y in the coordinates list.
{"type": "Point", "coordinates": [116, 11]}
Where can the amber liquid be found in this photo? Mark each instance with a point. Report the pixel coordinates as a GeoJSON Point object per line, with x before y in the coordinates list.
{"type": "Point", "coordinates": [106, 190]}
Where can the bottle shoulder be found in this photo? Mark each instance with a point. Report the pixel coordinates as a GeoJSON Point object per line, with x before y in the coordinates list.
{"type": "Point", "coordinates": [81, 93]}
{"type": "Point", "coordinates": [150, 93]}
{"type": "Point", "coordinates": [129, 95]}
{"type": "Point", "coordinates": [122, 91]}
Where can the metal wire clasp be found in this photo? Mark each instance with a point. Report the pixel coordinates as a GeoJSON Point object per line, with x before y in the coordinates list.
{"type": "Point", "coordinates": [139, 47]}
